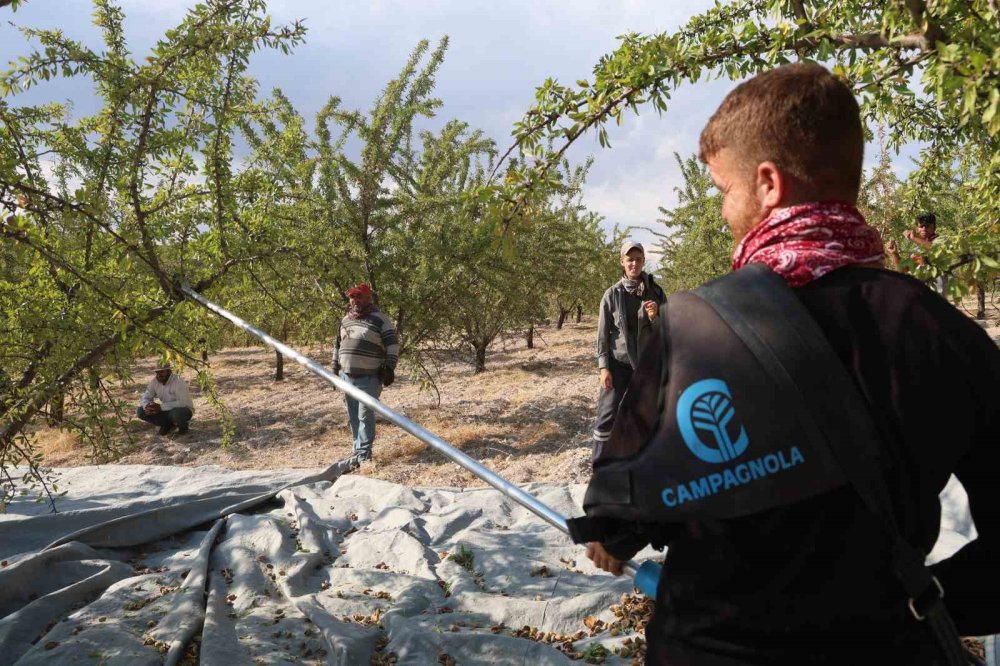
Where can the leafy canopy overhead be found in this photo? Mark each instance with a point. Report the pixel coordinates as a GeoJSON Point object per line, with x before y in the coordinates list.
{"type": "Point", "coordinates": [101, 211]}
{"type": "Point", "coordinates": [927, 71]}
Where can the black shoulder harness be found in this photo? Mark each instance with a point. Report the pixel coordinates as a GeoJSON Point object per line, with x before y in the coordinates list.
{"type": "Point", "coordinates": [756, 411]}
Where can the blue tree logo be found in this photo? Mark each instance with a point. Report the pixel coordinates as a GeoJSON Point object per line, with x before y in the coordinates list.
{"type": "Point", "coordinates": [707, 407]}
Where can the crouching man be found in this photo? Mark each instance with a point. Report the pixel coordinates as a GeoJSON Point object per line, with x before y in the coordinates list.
{"type": "Point", "coordinates": [174, 409]}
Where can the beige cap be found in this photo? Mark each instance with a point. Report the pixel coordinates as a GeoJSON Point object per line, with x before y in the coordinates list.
{"type": "Point", "coordinates": [628, 246]}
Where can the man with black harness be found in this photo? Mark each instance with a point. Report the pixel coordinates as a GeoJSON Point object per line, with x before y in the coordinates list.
{"type": "Point", "coordinates": [779, 440]}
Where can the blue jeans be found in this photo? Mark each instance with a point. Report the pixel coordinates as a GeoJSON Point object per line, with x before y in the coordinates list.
{"type": "Point", "coordinates": [361, 418]}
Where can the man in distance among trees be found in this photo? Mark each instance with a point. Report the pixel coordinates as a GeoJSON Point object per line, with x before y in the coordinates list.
{"type": "Point", "coordinates": [365, 354]}
{"type": "Point", "coordinates": [918, 239]}
{"type": "Point", "coordinates": [814, 581]}
{"type": "Point", "coordinates": [175, 408]}
{"type": "Point", "coordinates": [628, 309]}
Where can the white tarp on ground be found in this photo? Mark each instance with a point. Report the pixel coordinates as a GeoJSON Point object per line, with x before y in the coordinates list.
{"type": "Point", "coordinates": [338, 569]}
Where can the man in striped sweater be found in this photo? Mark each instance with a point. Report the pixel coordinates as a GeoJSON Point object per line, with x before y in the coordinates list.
{"type": "Point", "coordinates": [365, 354]}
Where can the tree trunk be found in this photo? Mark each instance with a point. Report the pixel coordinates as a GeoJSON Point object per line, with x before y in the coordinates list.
{"type": "Point", "coordinates": [400, 320]}
{"type": "Point", "coordinates": [57, 408]}
{"type": "Point", "coordinates": [981, 301]}
{"type": "Point", "coordinates": [279, 366]}
{"type": "Point", "coordinates": [27, 377]}
{"type": "Point", "coordinates": [279, 360]}
{"type": "Point", "coordinates": [579, 313]}
{"type": "Point", "coordinates": [531, 337]}
{"type": "Point", "coordinates": [480, 357]}
{"type": "Point", "coordinates": [562, 318]}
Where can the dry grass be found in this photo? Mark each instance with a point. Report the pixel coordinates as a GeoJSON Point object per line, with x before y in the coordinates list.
{"type": "Point", "coordinates": [59, 448]}
{"type": "Point", "coordinates": [527, 417]}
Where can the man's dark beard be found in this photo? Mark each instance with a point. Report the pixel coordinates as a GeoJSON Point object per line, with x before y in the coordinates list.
{"type": "Point", "coordinates": [357, 310]}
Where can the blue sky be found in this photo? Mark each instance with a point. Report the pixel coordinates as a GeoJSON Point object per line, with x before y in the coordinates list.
{"type": "Point", "coordinates": [499, 53]}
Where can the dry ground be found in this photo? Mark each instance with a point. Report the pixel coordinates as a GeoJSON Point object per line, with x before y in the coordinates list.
{"type": "Point", "coordinates": [527, 417]}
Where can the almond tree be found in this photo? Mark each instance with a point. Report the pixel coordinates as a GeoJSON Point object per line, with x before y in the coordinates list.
{"type": "Point", "coordinates": [697, 243]}
{"type": "Point", "coordinates": [407, 213]}
{"type": "Point", "coordinates": [367, 197]}
{"type": "Point", "coordinates": [104, 211]}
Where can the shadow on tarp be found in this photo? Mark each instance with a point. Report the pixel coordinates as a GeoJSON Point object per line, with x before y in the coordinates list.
{"type": "Point", "coordinates": [140, 521]}
{"type": "Point", "coordinates": [54, 564]}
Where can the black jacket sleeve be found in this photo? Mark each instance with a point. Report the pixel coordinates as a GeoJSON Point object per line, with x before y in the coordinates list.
{"type": "Point", "coordinates": [968, 369]}
{"type": "Point", "coordinates": [638, 416]}
{"type": "Point", "coordinates": [620, 538]}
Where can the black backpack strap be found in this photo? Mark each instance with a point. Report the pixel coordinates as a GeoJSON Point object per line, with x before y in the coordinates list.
{"type": "Point", "coordinates": [769, 318]}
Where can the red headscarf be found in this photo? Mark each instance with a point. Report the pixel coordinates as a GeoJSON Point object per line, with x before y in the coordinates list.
{"type": "Point", "coordinates": [357, 311]}
{"type": "Point", "coordinates": [804, 242]}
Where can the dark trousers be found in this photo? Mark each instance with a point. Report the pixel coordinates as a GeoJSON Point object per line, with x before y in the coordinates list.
{"type": "Point", "coordinates": [178, 416]}
{"type": "Point", "coordinates": [607, 405]}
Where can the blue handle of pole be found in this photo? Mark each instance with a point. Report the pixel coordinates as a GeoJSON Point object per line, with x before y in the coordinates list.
{"type": "Point", "coordinates": [647, 578]}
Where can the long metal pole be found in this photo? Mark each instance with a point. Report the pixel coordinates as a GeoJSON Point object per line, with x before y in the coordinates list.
{"type": "Point", "coordinates": [515, 493]}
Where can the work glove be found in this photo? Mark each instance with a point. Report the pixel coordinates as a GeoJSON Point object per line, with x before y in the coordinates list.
{"type": "Point", "coordinates": [387, 375]}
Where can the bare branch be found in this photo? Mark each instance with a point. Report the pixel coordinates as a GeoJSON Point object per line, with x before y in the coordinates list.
{"type": "Point", "coordinates": [916, 9]}
{"type": "Point", "coordinates": [933, 33]}
{"type": "Point", "coordinates": [901, 67]}
{"type": "Point", "coordinates": [136, 178]}
{"type": "Point", "coordinates": [220, 128]}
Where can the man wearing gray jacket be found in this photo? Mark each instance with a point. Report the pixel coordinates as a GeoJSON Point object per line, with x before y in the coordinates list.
{"type": "Point", "coordinates": [628, 309]}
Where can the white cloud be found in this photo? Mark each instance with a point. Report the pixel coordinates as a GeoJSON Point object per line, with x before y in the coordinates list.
{"type": "Point", "coordinates": [633, 200]}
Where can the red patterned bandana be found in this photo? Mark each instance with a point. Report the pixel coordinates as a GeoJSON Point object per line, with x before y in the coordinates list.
{"type": "Point", "coordinates": [801, 243]}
